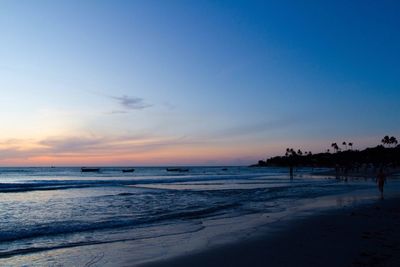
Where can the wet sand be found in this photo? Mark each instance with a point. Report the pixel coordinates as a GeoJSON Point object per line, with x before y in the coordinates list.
{"type": "Point", "coordinates": [365, 173]}
{"type": "Point", "coordinates": [367, 235]}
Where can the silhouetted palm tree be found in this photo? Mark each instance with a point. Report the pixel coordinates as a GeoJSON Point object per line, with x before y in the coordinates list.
{"type": "Point", "coordinates": [385, 140]}
{"type": "Point", "coordinates": [344, 143]}
{"type": "Point", "coordinates": [393, 140]}
{"type": "Point", "coordinates": [335, 147]}
{"type": "Point", "coordinates": [351, 146]}
{"type": "Point", "coordinates": [290, 152]}
{"type": "Point", "coordinates": [299, 152]}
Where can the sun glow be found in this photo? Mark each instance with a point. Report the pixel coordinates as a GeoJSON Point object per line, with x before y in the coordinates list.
{"type": "Point", "coordinates": [127, 150]}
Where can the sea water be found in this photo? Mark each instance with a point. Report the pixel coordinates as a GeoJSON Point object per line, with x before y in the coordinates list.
{"type": "Point", "coordinates": [62, 216]}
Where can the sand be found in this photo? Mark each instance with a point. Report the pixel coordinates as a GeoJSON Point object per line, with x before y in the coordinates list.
{"type": "Point", "coordinates": [367, 235]}
{"type": "Point", "coordinates": [362, 172]}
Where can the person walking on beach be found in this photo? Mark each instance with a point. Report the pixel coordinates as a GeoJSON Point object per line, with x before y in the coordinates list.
{"type": "Point", "coordinates": [381, 180]}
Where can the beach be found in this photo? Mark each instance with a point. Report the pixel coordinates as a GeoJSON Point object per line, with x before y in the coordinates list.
{"type": "Point", "coordinates": [208, 216]}
{"type": "Point", "coordinates": [200, 133]}
{"type": "Point", "coordinates": [366, 235]}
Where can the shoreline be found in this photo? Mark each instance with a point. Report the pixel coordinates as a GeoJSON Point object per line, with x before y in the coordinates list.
{"type": "Point", "coordinates": [369, 173]}
{"type": "Point", "coordinates": [365, 235]}
{"type": "Point", "coordinates": [246, 238]}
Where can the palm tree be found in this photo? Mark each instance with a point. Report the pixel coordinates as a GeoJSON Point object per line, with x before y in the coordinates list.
{"type": "Point", "coordinates": [351, 146]}
{"type": "Point", "coordinates": [385, 140]}
{"type": "Point", "coordinates": [299, 152]}
{"type": "Point", "coordinates": [335, 147]}
{"type": "Point", "coordinates": [290, 152]}
{"type": "Point", "coordinates": [328, 150]}
{"type": "Point", "coordinates": [393, 140]}
{"type": "Point", "coordinates": [344, 143]}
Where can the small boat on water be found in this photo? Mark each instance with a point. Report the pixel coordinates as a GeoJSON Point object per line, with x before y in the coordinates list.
{"type": "Point", "coordinates": [177, 170]}
{"type": "Point", "coordinates": [128, 170]}
{"type": "Point", "coordinates": [85, 169]}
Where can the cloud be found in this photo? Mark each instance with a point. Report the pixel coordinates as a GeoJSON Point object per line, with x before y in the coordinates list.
{"type": "Point", "coordinates": [71, 144]}
{"type": "Point", "coordinates": [130, 103]}
{"type": "Point", "coordinates": [113, 112]}
{"type": "Point", "coordinates": [18, 152]}
{"type": "Point", "coordinates": [89, 146]}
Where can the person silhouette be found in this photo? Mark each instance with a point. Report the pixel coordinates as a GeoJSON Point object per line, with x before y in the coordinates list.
{"type": "Point", "coordinates": [381, 180]}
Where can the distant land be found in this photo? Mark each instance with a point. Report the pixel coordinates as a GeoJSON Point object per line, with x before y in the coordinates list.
{"type": "Point", "coordinates": [385, 155]}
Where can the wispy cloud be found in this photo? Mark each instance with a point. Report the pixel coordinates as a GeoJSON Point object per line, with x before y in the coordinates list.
{"type": "Point", "coordinates": [125, 103]}
{"type": "Point", "coordinates": [105, 146]}
{"type": "Point", "coordinates": [70, 144]}
{"type": "Point", "coordinates": [113, 112]}
{"type": "Point", "coordinates": [130, 103]}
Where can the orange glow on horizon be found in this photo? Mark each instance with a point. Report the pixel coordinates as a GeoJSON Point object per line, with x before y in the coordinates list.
{"type": "Point", "coordinates": [140, 151]}
{"type": "Point", "coordinates": [168, 155]}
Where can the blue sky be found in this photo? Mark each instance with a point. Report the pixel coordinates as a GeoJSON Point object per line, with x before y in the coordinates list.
{"type": "Point", "coordinates": [194, 82]}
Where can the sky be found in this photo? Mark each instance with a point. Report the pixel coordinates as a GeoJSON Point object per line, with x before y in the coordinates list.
{"type": "Point", "coordinates": [147, 83]}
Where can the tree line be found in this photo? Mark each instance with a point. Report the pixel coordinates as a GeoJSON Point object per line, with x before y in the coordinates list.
{"type": "Point", "coordinates": [385, 154]}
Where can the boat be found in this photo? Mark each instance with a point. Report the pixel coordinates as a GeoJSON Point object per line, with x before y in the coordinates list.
{"type": "Point", "coordinates": [177, 170]}
{"type": "Point", "coordinates": [128, 170]}
{"type": "Point", "coordinates": [84, 169]}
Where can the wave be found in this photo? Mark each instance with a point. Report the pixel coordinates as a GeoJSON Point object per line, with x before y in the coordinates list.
{"type": "Point", "coordinates": [22, 251]}
{"type": "Point", "coordinates": [28, 187]}
{"type": "Point", "coordinates": [46, 185]}
{"type": "Point", "coordinates": [70, 227]}
{"type": "Point", "coordinates": [35, 185]}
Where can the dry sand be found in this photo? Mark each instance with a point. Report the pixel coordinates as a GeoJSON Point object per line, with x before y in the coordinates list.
{"type": "Point", "coordinates": [363, 236]}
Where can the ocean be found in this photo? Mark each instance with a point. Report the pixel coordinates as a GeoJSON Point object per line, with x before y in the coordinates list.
{"type": "Point", "coordinates": [64, 217]}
